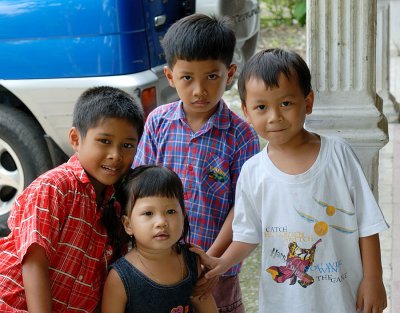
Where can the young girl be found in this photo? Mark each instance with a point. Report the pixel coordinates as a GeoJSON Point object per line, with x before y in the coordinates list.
{"type": "Point", "coordinates": [159, 272]}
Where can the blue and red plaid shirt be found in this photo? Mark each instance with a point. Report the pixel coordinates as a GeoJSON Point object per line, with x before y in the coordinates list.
{"type": "Point", "coordinates": [208, 163]}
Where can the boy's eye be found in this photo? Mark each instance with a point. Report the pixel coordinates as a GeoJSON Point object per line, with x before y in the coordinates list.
{"type": "Point", "coordinates": [128, 146]}
{"type": "Point", "coordinates": [212, 76]}
{"type": "Point", "coordinates": [187, 77]}
{"type": "Point", "coordinates": [261, 107]}
{"type": "Point", "coordinates": [285, 104]}
{"type": "Point", "coordinates": [105, 141]}
{"type": "Point", "coordinates": [171, 211]}
{"type": "Point", "coordinates": [148, 213]}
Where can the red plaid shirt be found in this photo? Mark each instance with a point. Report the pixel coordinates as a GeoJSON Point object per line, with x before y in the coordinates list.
{"type": "Point", "coordinates": [58, 211]}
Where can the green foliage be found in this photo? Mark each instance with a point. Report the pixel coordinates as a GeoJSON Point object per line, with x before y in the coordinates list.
{"type": "Point", "coordinates": [287, 12]}
{"type": "Point", "coordinates": [299, 12]}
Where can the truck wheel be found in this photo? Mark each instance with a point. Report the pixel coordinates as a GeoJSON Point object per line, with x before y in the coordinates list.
{"type": "Point", "coordinates": [23, 157]}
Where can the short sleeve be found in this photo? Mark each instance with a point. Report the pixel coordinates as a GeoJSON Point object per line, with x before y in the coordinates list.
{"type": "Point", "coordinates": [247, 218]}
{"type": "Point", "coordinates": [369, 215]}
{"type": "Point", "coordinates": [37, 217]}
{"type": "Point", "coordinates": [248, 146]}
{"type": "Point", "coordinates": [147, 149]}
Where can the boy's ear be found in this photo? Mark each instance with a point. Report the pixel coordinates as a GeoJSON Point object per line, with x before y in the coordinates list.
{"type": "Point", "coordinates": [231, 73]}
{"type": "Point", "coordinates": [309, 102]}
{"type": "Point", "coordinates": [244, 109]}
{"type": "Point", "coordinates": [74, 138]}
{"type": "Point", "coordinates": [127, 225]}
{"type": "Point", "coordinates": [168, 73]}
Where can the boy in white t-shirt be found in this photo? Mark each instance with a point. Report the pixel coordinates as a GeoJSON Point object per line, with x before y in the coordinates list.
{"type": "Point", "coordinates": [305, 198]}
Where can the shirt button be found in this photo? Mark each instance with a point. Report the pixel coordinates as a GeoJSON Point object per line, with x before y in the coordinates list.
{"type": "Point", "coordinates": [80, 277]}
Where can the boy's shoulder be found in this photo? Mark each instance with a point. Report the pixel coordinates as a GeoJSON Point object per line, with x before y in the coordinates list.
{"type": "Point", "coordinates": [170, 111]}
{"type": "Point", "coordinates": [336, 143]}
{"type": "Point", "coordinates": [65, 175]}
{"type": "Point", "coordinates": [236, 119]}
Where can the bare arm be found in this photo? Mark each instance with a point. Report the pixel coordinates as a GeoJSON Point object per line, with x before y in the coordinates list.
{"type": "Point", "coordinates": [224, 237]}
{"type": "Point", "coordinates": [35, 275]}
{"type": "Point", "coordinates": [236, 252]}
{"type": "Point", "coordinates": [114, 295]}
{"type": "Point", "coordinates": [218, 247]}
{"type": "Point", "coordinates": [204, 303]}
{"type": "Point", "coordinates": [371, 293]}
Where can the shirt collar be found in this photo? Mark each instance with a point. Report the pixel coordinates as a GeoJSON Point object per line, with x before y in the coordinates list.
{"type": "Point", "coordinates": [75, 165]}
{"type": "Point", "coordinates": [220, 119]}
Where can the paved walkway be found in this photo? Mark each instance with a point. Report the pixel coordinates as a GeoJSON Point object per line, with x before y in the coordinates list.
{"type": "Point", "coordinates": [389, 159]}
{"type": "Point", "coordinates": [389, 199]}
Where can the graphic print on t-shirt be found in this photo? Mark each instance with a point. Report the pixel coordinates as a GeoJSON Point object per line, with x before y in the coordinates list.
{"type": "Point", "coordinates": [321, 227]}
{"type": "Point", "coordinates": [298, 261]}
{"type": "Point", "coordinates": [180, 309]}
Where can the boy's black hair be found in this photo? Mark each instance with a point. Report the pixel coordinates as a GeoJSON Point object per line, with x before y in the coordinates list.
{"type": "Point", "coordinates": [150, 181]}
{"type": "Point", "coordinates": [99, 103]}
{"type": "Point", "coordinates": [268, 64]}
{"type": "Point", "coordinates": [92, 107]}
{"type": "Point", "coordinates": [199, 37]}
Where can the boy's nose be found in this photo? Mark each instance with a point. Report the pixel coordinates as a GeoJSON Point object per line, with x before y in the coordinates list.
{"type": "Point", "coordinates": [200, 91]}
{"type": "Point", "coordinates": [274, 115]}
{"type": "Point", "coordinates": [115, 153]}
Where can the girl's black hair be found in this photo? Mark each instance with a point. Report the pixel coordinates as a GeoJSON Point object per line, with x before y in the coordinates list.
{"type": "Point", "coordinates": [143, 181]}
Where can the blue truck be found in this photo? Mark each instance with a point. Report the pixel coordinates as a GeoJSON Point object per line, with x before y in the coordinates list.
{"type": "Point", "coordinates": [52, 50]}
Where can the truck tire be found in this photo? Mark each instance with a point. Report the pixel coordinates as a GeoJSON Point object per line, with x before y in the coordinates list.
{"type": "Point", "coordinates": [23, 157]}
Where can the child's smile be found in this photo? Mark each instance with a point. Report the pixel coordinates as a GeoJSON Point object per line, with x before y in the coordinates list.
{"type": "Point", "coordinates": [107, 150]}
{"type": "Point", "coordinates": [277, 113]}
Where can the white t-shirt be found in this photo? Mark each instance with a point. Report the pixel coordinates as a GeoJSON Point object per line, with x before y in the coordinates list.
{"type": "Point", "coordinates": [309, 227]}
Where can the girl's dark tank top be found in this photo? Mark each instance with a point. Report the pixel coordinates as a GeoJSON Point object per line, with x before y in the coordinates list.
{"type": "Point", "coordinates": [146, 296]}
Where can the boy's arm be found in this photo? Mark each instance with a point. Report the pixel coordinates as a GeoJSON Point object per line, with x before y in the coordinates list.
{"type": "Point", "coordinates": [236, 252]}
{"type": "Point", "coordinates": [35, 275]}
{"type": "Point", "coordinates": [114, 297]}
{"type": "Point", "coordinates": [371, 293]}
{"type": "Point", "coordinates": [203, 303]}
{"type": "Point", "coordinates": [224, 238]}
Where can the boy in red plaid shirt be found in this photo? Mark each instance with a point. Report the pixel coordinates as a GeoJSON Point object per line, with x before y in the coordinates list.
{"type": "Point", "coordinates": [201, 139]}
{"type": "Point", "coordinates": [55, 258]}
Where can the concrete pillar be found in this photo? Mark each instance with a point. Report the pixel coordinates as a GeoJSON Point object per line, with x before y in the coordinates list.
{"type": "Point", "coordinates": [390, 106]}
{"type": "Point", "coordinates": [395, 48]}
{"type": "Point", "coordinates": [341, 54]}
{"type": "Point", "coordinates": [394, 27]}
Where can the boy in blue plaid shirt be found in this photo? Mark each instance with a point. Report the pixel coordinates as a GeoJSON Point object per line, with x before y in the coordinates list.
{"type": "Point", "coordinates": [201, 139]}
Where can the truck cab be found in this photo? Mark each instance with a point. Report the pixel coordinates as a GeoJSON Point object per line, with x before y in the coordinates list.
{"type": "Point", "coordinates": [53, 50]}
